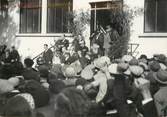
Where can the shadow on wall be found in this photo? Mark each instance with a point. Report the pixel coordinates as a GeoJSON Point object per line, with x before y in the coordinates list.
{"type": "Point", "coordinates": [9, 27]}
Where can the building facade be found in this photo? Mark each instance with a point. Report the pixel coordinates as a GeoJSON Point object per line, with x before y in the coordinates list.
{"type": "Point", "coordinates": [43, 21]}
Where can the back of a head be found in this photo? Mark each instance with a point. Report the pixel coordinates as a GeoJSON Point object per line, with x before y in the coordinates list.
{"type": "Point", "coordinates": [17, 107]}
{"type": "Point", "coordinates": [72, 103]}
{"type": "Point", "coordinates": [28, 62]}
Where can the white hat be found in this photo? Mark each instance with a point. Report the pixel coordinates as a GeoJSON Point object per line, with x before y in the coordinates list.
{"type": "Point", "coordinates": [113, 68]}
{"type": "Point", "coordinates": [127, 58]}
{"type": "Point", "coordinates": [70, 72]}
{"type": "Point", "coordinates": [136, 70]}
{"type": "Point", "coordinates": [87, 72]}
{"type": "Point", "coordinates": [102, 62]}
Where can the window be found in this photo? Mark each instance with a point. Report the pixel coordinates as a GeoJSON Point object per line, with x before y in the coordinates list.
{"type": "Point", "coordinates": [100, 12]}
{"type": "Point", "coordinates": [3, 4]}
{"type": "Point", "coordinates": [57, 15]}
{"type": "Point", "coordinates": [4, 8]}
{"type": "Point", "coordinates": [155, 19]}
{"type": "Point", "coordinates": [30, 16]}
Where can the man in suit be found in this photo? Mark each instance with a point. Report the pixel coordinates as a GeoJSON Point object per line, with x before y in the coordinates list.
{"type": "Point", "coordinates": [48, 56]}
{"type": "Point", "coordinates": [14, 55]}
{"type": "Point", "coordinates": [161, 94]}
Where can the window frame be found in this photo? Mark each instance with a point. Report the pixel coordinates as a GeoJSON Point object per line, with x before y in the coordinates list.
{"type": "Point", "coordinates": [71, 9]}
{"type": "Point", "coordinates": [40, 16]}
{"type": "Point", "coordinates": [153, 33]}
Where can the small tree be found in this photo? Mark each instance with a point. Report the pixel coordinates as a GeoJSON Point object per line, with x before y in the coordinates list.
{"type": "Point", "coordinates": [9, 27]}
{"type": "Point", "coordinates": [121, 21]}
{"type": "Point", "coordinates": [78, 21]}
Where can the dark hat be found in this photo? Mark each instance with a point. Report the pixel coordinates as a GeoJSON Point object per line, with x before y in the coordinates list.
{"type": "Point", "coordinates": [28, 62]}
{"type": "Point", "coordinates": [81, 81]}
{"type": "Point", "coordinates": [122, 67]}
{"type": "Point", "coordinates": [143, 56]}
{"type": "Point", "coordinates": [161, 58]}
{"type": "Point", "coordinates": [165, 62]}
{"type": "Point", "coordinates": [143, 60]}
{"type": "Point", "coordinates": [161, 77]}
{"type": "Point", "coordinates": [155, 66]}
{"type": "Point", "coordinates": [134, 62]}
{"type": "Point", "coordinates": [43, 70]}
{"type": "Point", "coordinates": [56, 86]}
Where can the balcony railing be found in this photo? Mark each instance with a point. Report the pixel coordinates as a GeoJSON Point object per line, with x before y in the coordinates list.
{"type": "Point", "coordinates": [132, 50]}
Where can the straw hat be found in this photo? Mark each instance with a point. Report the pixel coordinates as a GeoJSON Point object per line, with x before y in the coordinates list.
{"type": "Point", "coordinates": [87, 72]}
{"type": "Point", "coordinates": [70, 72]}
{"type": "Point", "coordinates": [102, 62]}
{"type": "Point", "coordinates": [127, 58]}
{"type": "Point", "coordinates": [136, 70]}
{"type": "Point", "coordinates": [118, 68]}
{"type": "Point", "coordinates": [113, 68]}
{"type": "Point", "coordinates": [161, 77]}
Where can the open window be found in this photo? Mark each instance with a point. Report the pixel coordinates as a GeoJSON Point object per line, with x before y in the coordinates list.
{"type": "Point", "coordinates": [100, 12]}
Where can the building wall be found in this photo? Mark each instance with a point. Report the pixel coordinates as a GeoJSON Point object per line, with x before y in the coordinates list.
{"type": "Point", "coordinates": [32, 45]}
{"type": "Point", "coordinates": [149, 44]}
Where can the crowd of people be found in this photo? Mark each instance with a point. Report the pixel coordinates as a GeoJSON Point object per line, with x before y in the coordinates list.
{"type": "Point", "coordinates": [86, 83]}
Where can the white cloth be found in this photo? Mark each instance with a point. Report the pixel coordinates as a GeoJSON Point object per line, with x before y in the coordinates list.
{"type": "Point", "coordinates": [28, 97]}
{"type": "Point", "coordinates": [101, 81]}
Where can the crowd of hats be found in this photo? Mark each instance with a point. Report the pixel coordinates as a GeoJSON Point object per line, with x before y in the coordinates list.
{"type": "Point", "coordinates": [60, 76]}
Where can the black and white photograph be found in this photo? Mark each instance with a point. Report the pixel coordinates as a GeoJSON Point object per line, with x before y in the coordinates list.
{"type": "Point", "coordinates": [83, 58]}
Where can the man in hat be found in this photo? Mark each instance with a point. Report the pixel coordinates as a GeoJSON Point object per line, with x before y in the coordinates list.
{"type": "Point", "coordinates": [14, 55]}
{"type": "Point", "coordinates": [120, 89]}
{"type": "Point", "coordinates": [160, 97]}
{"type": "Point", "coordinates": [98, 38]}
{"type": "Point", "coordinates": [48, 56]}
{"type": "Point", "coordinates": [154, 68]}
{"type": "Point", "coordinates": [146, 105]}
{"type": "Point", "coordinates": [110, 38]}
